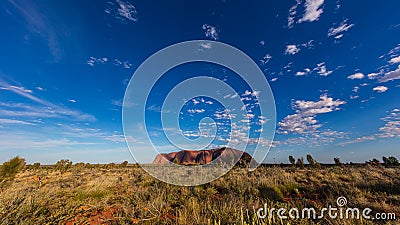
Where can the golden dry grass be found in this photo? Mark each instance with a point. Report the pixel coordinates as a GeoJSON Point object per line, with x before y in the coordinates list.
{"type": "Point", "coordinates": [128, 195]}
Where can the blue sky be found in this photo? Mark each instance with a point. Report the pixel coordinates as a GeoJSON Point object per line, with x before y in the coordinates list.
{"type": "Point", "coordinates": [333, 67]}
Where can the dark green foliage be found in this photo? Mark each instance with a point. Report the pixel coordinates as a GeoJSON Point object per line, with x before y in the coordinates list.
{"type": "Point", "coordinates": [10, 168]}
{"type": "Point", "coordinates": [124, 164]}
{"type": "Point", "coordinates": [63, 165]}
{"type": "Point", "coordinates": [391, 161]}
{"type": "Point", "coordinates": [36, 165]}
{"type": "Point", "coordinates": [300, 162]}
{"type": "Point", "coordinates": [337, 161]}
{"type": "Point", "coordinates": [292, 160]}
{"type": "Point", "coordinates": [311, 160]}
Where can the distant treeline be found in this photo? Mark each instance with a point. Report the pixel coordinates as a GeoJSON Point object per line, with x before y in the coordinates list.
{"type": "Point", "coordinates": [10, 168]}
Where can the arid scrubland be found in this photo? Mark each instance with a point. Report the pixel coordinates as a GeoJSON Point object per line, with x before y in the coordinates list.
{"type": "Point", "coordinates": [126, 194]}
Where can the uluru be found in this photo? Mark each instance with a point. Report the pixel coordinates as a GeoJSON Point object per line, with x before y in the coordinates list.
{"type": "Point", "coordinates": [201, 157]}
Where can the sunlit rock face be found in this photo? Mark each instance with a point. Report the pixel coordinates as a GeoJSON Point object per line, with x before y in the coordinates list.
{"type": "Point", "coordinates": [193, 157]}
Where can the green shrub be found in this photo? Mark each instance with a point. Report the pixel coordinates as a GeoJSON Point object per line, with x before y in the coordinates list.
{"type": "Point", "coordinates": [63, 165]}
{"type": "Point", "coordinates": [9, 169]}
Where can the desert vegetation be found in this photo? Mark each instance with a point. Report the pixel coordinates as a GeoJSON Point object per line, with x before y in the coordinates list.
{"type": "Point", "coordinates": [82, 193]}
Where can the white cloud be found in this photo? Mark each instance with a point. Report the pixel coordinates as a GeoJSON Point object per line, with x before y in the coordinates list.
{"type": "Point", "coordinates": [354, 97]}
{"type": "Point", "coordinates": [156, 108]}
{"type": "Point", "coordinates": [391, 75]}
{"type": "Point", "coordinates": [38, 23]}
{"type": "Point", "coordinates": [393, 53]}
{"type": "Point", "coordinates": [291, 50]}
{"type": "Point", "coordinates": [302, 73]}
{"type": "Point", "coordinates": [246, 93]}
{"type": "Point", "coordinates": [392, 126]}
{"type": "Point", "coordinates": [316, 138]}
{"type": "Point", "coordinates": [93, 61]}
{"type": "Point", "coordinates": [358, 140]}
{"type": "Point", "coordinates": [266, 59]}
{"type": "Point", "coordinates": [322, 70]}
{"type": "Point", "coordinates": [372, 76]}
{"type": "Point", "coordinates": [224, 114]}
{"type": "Point", "coordinates": [292, 13]}
{"type": "Point", "coordinates": [195, 102]}
{"type": "Point", "coordinates": [395, 60]}
{"type": "Point", "coordinates": [304, 120]}
{"type": "Point", "coordinates": [380, 89]}
{"type": "Point", "coordinates": [192, 111]}
{"type": "Point", "coordinates": [313, 10]}
{"type": "Point", "coordinates": [255, 93]}
{"type": "Point", "coordinates": [308, 44]}
{"type": "Point", "coordinates": [339, 36]}
{"type": "Point", "coordinates": [118, 102]}
{"type": "Point", "coordinates": [338, 31]}
{"type": "Point", "coordinates": [391, 129]}
{"type": "Point", "coordinates": [274, 79]}
{"type": "Point", "coordinates": [39, 88]}
{"type": "Point", "coordinates": [14, 122]}
{"type": "Point", "coordinates": [47, 110]}
{"type": "Point", "coordinates": [16, 89]}
{"type": "Point", "coordinates": [356, 76]}
{"type": "Point", "coordinates": [210, 31]}
{"type": "Point", "coordinates": [124, 64]}
{"type": "Point", "coordinates": [206, 45]}
{"type": "Point", "coordinates": [123, 11]}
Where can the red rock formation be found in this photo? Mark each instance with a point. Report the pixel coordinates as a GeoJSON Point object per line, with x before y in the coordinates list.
{"type": "Point", "coordinates": [192, 157]}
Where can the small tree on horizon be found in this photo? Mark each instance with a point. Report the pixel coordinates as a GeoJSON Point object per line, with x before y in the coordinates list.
{"type": "Point", "coordinates": [292, 160]}
{"type": "Point", "coordinates": [300, 162]}
{"type": "Point", "coordinates": [36, 165]}
{"type": "Point", "coordinates": [337, 161]}
{"type": "Point", "coordinates": [124, 164]}
{"type": "Point", "coordinates": [311, 160]}
{"type": "Point", "coordinates": [63, 164]}
{"type": "Point", "coordinates": [391, 161]}
{"type": "Point", "coordinates": [10, 168]}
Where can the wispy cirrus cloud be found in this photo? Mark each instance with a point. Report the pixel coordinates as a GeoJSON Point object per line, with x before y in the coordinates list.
{"type": "Point", "coordinates": [292, 13]}
{"type": "Point", "coordinates": [391, 129]}
{"type": "Point", "coordinates": [392, 126]}
{"type": "Point", "coordinates": [123, 11]}
{"type": "Point", "coordinates": [338, 31]}
{"type": "Point", "coordinates": [322, 70]}
{"type": "Point", "coordinates": [45, 109]}
{"type": "Point", "coordinates": [93, 61]}
{"type": "Point", "coordinates": [38, 24]}
{"type": "Point", "coordinates": [14, 122]}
